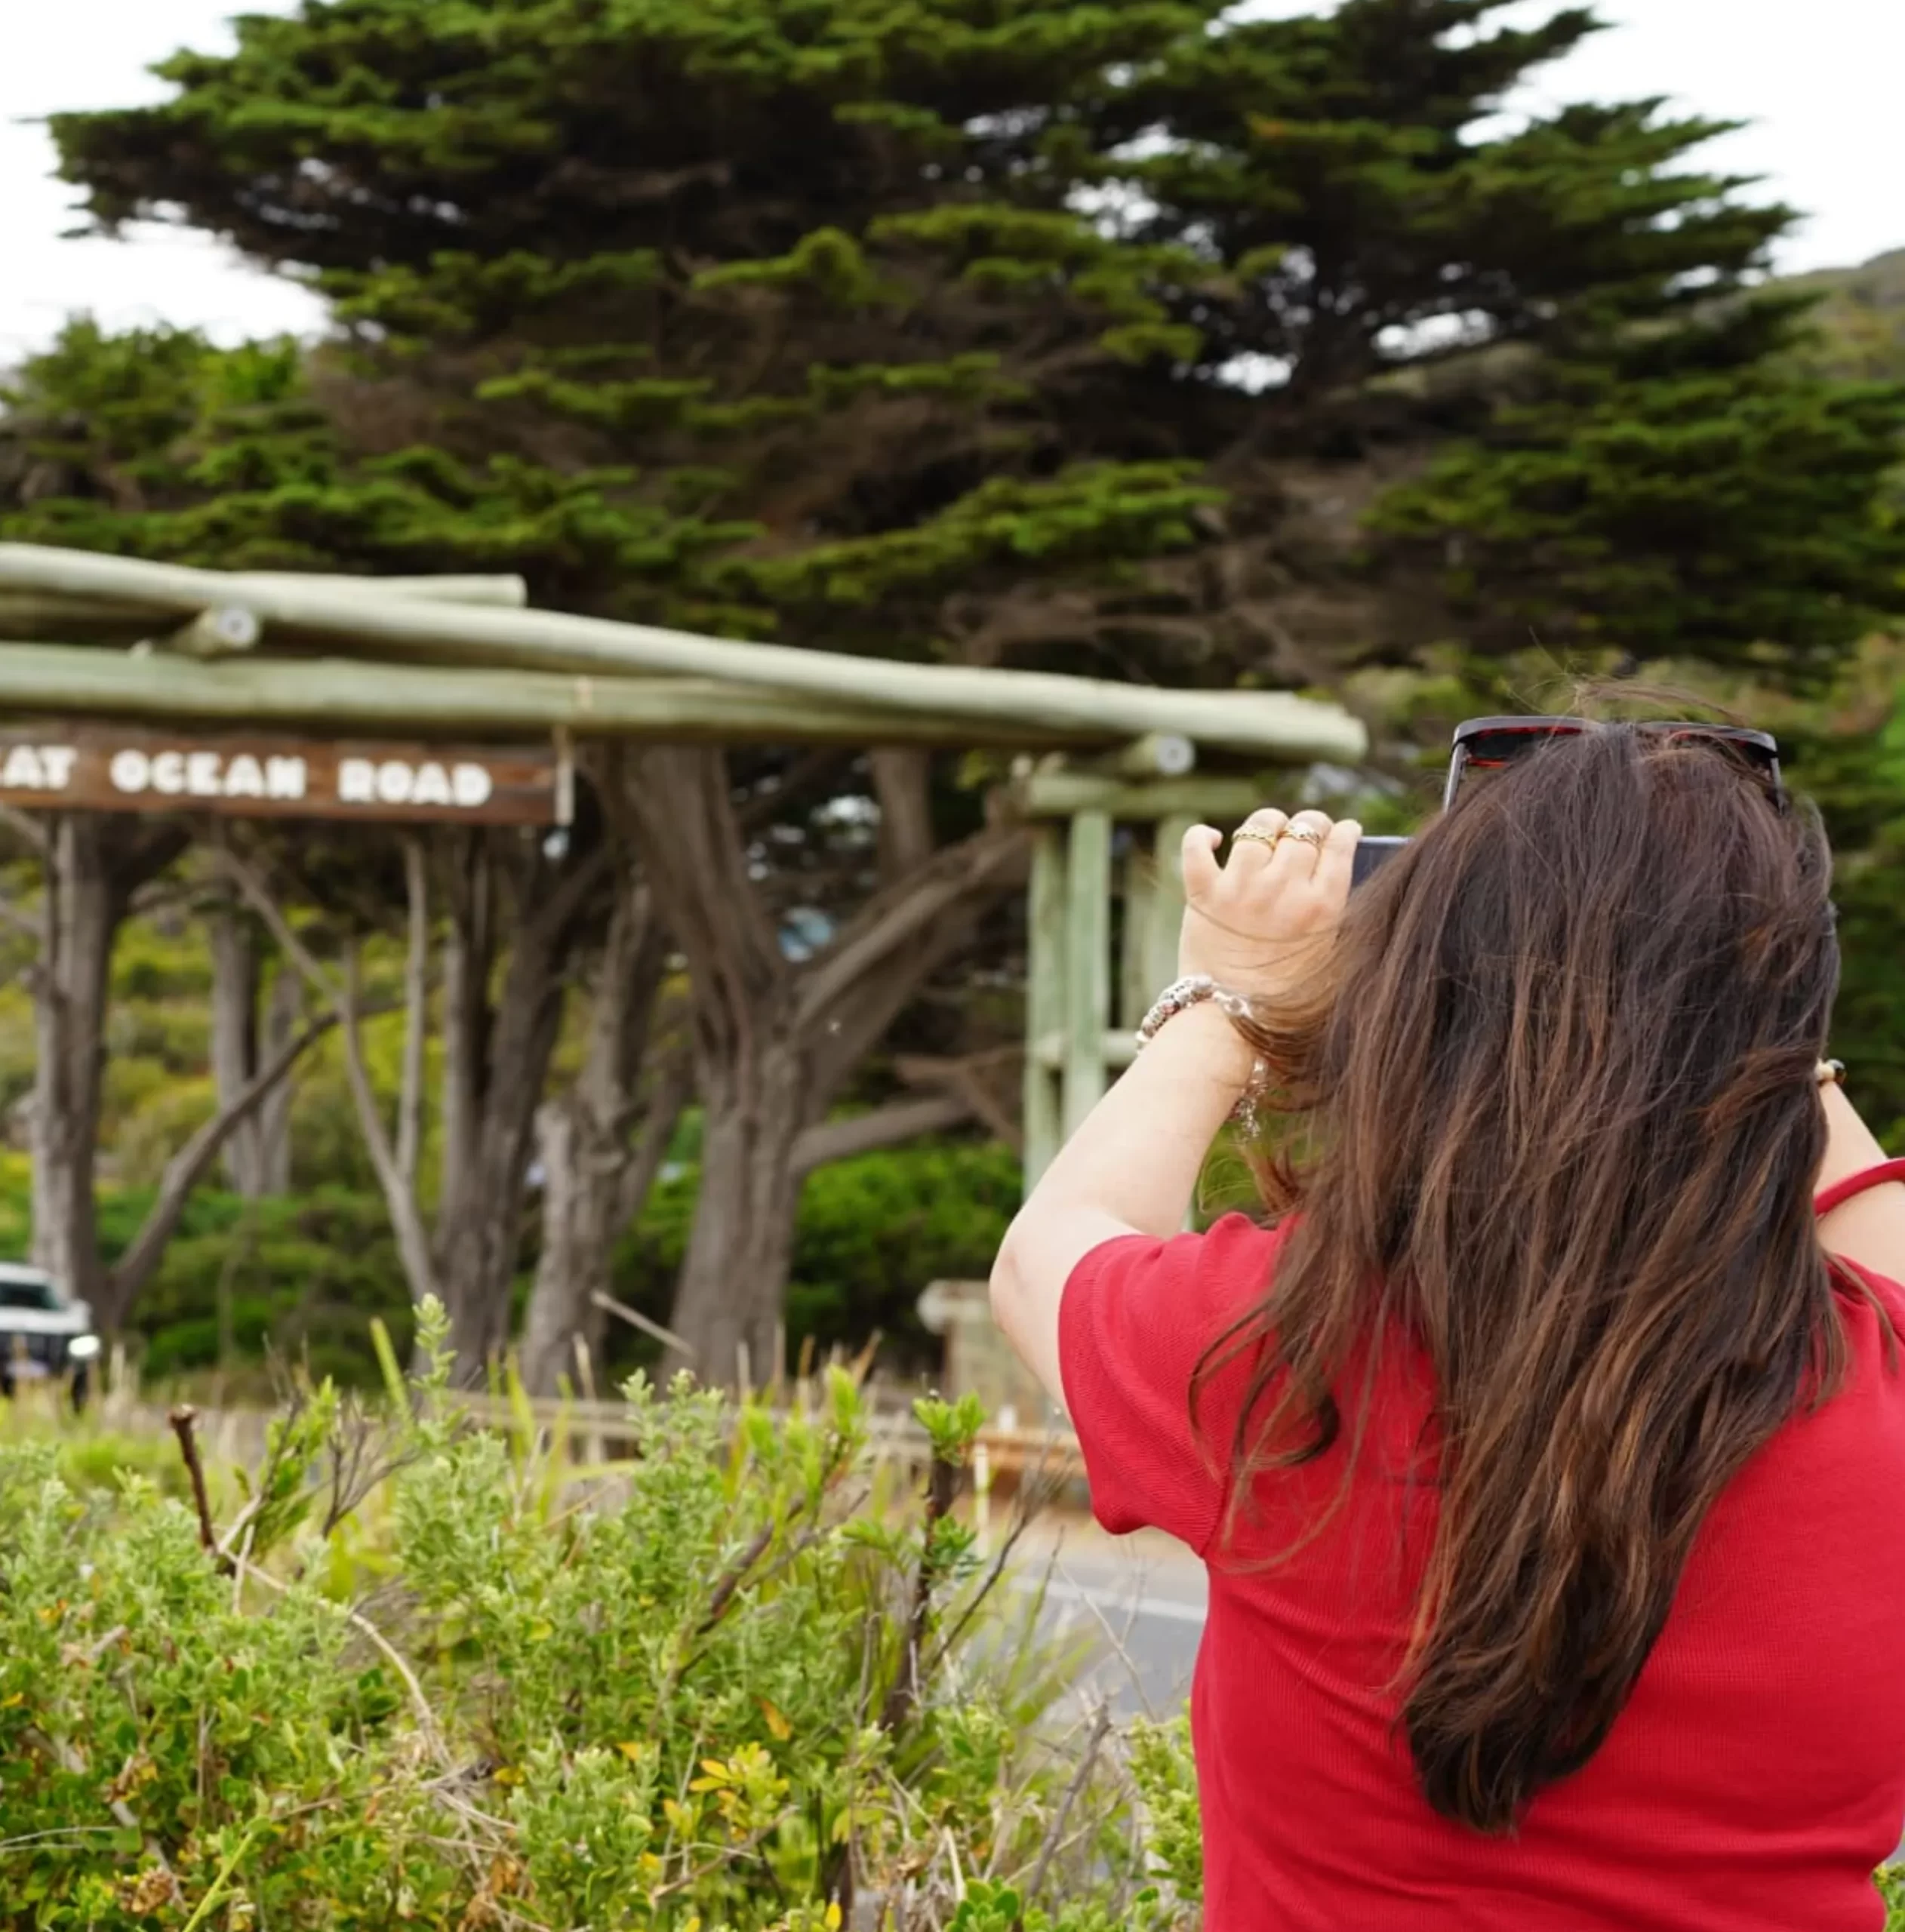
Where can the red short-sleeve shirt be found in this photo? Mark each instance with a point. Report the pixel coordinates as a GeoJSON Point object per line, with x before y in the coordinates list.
{"type": "Point", "coordinates": [1753, 1783]}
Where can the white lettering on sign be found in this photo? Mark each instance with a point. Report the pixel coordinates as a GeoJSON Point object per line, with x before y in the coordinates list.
{"type": "Point", "coordinates": [142, 770]}
{"type": "Point", "coordinates": [283, 778]}
{"type": "Point", "coordinates": [396, 781]}
{"type": "Point", "coordinates": [472, 786]}
{"type": "Point", "coordinates": [174, 774]}
{"type": "Point", "coordinates": [131, 771]}
{"type": "Point", "coordinates": [38, 768]}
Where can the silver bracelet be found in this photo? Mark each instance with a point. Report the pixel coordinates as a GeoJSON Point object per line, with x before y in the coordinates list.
{"type": "Point", "coordinates": [1194, 990]}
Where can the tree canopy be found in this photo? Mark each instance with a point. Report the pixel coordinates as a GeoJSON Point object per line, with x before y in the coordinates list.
{"type": "Point", "coordinates": [1011, 329]}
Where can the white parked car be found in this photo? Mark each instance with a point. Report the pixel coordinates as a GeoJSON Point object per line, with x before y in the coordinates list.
{"type": "Point", "coordinates": [44, 1335]}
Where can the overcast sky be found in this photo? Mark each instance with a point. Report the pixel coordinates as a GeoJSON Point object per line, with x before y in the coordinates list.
{"type": "Point", "coordinates": [1819, 79]}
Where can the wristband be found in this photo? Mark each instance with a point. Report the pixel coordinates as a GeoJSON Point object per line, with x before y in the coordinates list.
{"type": "Point", "coordinates": [1194, 990]}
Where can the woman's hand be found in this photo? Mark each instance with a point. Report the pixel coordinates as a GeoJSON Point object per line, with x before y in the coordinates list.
{"type": "Point", "coordinates": [1255, 924]}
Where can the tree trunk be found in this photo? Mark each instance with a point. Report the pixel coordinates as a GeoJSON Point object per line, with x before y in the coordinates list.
{"type": "Point", "coordinates": [469, 958]}
{"type": "Point", "coordinates": [235, 1041]}
{"type": "Point", "coordinates": [416, 1012]}
{"type": "Point", "coordinates": [775, 1043]}
{"type": "Point", "coordinates": [258, 1152]}
{"type": "Point", "coordinates": [496, 1066]}
{"type": "Point", "coordinates": [84, 905]}
{"type": "Point", "coordinates": [92, 865]}
{"type": "Point", "coordinates": [595, 1178]}
{"type": "Point", "coordinates": [284, 1008]}
{"type": "Point", "coordinates": [727, 1302]}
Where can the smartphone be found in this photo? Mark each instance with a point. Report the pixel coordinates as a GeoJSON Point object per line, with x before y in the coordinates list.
{"type": "Point", "coordinates": [1372, 854]}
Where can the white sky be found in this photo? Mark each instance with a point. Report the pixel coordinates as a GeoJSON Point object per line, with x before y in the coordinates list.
{"type": "Point", "coordinates": [1818, 79]}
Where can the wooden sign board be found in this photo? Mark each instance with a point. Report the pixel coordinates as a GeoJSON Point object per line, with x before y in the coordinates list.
{"type": "Point", "coordinates": [101, 769]}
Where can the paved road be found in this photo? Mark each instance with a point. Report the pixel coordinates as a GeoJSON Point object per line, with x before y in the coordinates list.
{"type": "Point", "coordinates": [1140, 1598]}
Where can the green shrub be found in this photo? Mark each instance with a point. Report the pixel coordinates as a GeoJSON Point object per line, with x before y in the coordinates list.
{"type": "Point", "coordinates": [711, 1688]}
{"type": "Point", "coordinates": [870, 1234]}
{"type": "Point", "coordinates": [303, 1276]}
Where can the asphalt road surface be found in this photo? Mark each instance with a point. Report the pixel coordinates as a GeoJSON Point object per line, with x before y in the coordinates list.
{"type": "Point", "coordinates": [1139, 1599]}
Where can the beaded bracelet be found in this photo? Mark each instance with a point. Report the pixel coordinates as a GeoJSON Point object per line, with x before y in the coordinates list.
{"type": "Point", "coordinates": [1194, 989]}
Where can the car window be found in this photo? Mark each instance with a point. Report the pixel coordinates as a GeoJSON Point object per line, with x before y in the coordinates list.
{"type": "Point", "coordinates": [35, 1295]}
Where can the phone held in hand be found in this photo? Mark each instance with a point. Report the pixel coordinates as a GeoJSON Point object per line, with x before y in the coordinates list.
{"type": "Point", "coordinates": [1372, 854]}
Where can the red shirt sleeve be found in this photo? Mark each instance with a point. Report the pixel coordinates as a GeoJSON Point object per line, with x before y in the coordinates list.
{"type": "Point", "coordinates": [1135, 1318]}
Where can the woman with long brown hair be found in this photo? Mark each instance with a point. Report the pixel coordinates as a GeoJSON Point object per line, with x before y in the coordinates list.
{"type": "Point", "coordinates": [1546, 1448]}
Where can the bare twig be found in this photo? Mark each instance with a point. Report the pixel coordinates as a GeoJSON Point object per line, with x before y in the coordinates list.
{"type": "Point", "coordinates": [426, 1717]}
{"type": "Point", "coordinates": [1054, 1835]}
{"type": "Point", "coordinates": [184, 1419]}
{"type": "Point", "coordinates": [735, 1576]}
{"type": "Point", "coordinates": [995, 1571]}
{"type": "Point", "coordinates": [636, 1319]}
{"type": "Point", "coordinates": [941, 1489]}
{"type": "Point", "coordinates": [258, 897]}
{"type": "Point", "coordinates": [413, 1240]}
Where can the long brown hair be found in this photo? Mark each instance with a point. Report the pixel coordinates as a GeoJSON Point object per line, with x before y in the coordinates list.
{"type": "Point", "coordinates": [1561, 1126]}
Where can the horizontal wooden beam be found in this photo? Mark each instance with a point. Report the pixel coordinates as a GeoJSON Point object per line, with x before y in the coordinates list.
{"type": "Point", "coordinates": [1120, 1050]}
{"type": "Point", "coordinates": [1223, 801]}
{"type": "Point", "coordinates": [1156, 754]}
{"type": "Point", "coordinates": [499, 593]}
{"type": "Point", "coordinates": [971, 702]}
{"type": "Point", "coordinates": [320, 694]}
{"type": "Point", "coordinates": [25, 612]}
{"type": "Point", "coordinates": [227, 630]}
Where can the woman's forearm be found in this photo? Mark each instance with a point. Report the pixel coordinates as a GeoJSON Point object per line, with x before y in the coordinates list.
{"type": "Point", "coordinates": [1254, 925]}
{"type": "Point", "coordinates": [1139, 1153]}
{"type": "Point", "coordinates": [1131, 1168]}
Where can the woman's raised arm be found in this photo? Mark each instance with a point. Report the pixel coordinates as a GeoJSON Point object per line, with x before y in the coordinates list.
{"type": "Point", "coordinates": [1251, 926]}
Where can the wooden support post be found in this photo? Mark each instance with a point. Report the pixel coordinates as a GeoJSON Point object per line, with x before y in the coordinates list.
{"type": "Point", "coordinates": [1045, 998]}
{"type": "Point", "coordinates": [1167, 913]}
{"type": "Point", "coordinates": [1166, 904]}
{"type": "Point", "coordinates": [1088, 963]}
{"type": "Point", "coordinates": [1135, 990]}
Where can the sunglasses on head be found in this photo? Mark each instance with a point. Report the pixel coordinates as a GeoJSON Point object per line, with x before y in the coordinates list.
{"type": "Point", "coordinates": [1493, 744]}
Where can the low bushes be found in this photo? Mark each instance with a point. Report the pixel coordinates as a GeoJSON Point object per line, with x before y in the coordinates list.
{"type": "Point", "coordinates": [302, 1277]}
{"type": "Point", "coordinates": [430, 1677]}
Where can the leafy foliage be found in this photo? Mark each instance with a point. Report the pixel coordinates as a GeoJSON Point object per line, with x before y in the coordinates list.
{"type": "Point", "coordinates": [642, 1700]}
{"type": "Point", "coordinates": [1083, 335]}
{"type": "Point", "coordinates": [299, 1277]}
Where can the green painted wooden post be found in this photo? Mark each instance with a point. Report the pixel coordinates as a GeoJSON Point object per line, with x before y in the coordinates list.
{"type": "Point", "coordinates": [1045, 998]}
{"type": "Point", "coordinates": [1135, 990]}
{"type": "Point", "coordinates": [1167, 902]}
{"type": "Point", "coordinates": [1088, 964]}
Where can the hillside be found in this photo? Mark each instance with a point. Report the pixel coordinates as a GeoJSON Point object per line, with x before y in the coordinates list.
{"type": "Point", "coordinates": [1862, 317]}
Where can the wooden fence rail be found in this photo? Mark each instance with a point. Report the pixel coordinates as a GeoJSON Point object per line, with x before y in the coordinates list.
{"type": "Point", "coordinates": [601, 1431]}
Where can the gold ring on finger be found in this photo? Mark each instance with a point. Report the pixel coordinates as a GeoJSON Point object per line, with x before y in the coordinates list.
{"type": "Point", "coordinates": [1307, 834]}
{"type": "Point", "coordinates": [1250, 836]}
